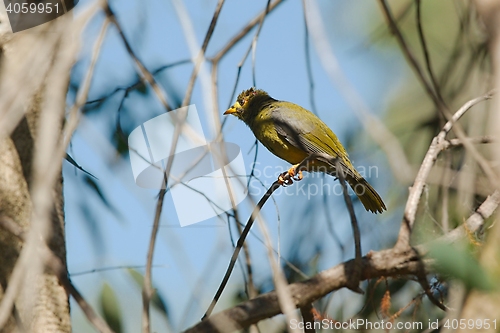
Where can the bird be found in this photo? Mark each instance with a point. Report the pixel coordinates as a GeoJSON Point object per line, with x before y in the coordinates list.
{"type": "Point", "coordinates": [295, 134]}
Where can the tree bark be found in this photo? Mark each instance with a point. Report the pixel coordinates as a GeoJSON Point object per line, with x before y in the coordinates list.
{"type": "Point", "coordinates": [47, 309]}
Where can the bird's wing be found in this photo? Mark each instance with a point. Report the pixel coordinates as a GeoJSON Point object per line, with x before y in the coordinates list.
{"type": "Point", "coordinates": [309, 134]}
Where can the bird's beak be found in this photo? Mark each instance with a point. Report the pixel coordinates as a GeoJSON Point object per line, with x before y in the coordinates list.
{"type": "Point", "coordinates": [233, 109]}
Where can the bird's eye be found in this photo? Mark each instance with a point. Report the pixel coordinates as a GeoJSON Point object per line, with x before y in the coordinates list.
{"type": "Point", "coordinates": [241, 101]}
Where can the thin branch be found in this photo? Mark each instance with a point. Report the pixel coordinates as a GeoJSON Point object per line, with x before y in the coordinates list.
{"type": "Point", "coordinates": [239, 245]}
{"type": "Point", "coordinates": [373, 126]}
{"type": "Point", "coordinates": [409, 54]}
{"type": "Point", "coordinates": [139, 83]}
{"type": "Point", "coordinates": [354, 285]}
{"type": "Point", "coordinates": [262, 201]}
{"type": "Point", "coordinates": [215, 61]}
{"type": "Point", "coordinates": [251, 47]}
{"type": "Point", "coordinates": [146, 75]}
{"type": "Point", "coordinates": [147, 291]}
{"type": "Point", "coordinates": [110, 268]}
{"type": "Point", "coordinates": [307, 52]}
{"type": "Point", "coordinates": [476, 221]}
{"type": "Point", "coordinates": [453, 143]}
{"type": "Point", "coordinates": [92, 316]}
{"type": "Point", "coordinates": [250, 286]}
{"type": "Point", "coordinates": [427, 57]}
{"type": "Point", "coordinates": [458, 130]}
{"type": "Point", "coordinates": [243, 32]}
{"type": "Point", "coordinates": [285, 300]}
{"type": "Point", "coordinates": [437, 145]}
{"type": "Point", "coordinates": [201, 57]}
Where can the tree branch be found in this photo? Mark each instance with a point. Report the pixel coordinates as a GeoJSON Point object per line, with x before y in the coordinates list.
{"type": "Point", "coordinates": [438, 144]}
{"type": "Point", "coordinates": [392, 262]}
{"type": "Point", "coordinates": [375, 264]}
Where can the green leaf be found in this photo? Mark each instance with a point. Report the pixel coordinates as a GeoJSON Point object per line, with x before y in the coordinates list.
{"type": "Point", "coordinates": [138, 278]}
{"type": "Point", "coordinates": [457, 262]}
{"type": "Point", "coordinates": [156, 300]}
{"type": "Point", "coordinates": [110, 308]}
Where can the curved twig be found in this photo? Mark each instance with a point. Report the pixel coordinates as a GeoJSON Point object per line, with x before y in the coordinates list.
{"type": "Point", "coordinates": [437, 145]}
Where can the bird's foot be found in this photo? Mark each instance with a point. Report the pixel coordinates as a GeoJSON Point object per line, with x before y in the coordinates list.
{"type": "Point", "coordinates": [294, 174]}
{"type": "Point", "coordinates": [287, 178]}
{"type": "Point", "coordinates": [284, 179]}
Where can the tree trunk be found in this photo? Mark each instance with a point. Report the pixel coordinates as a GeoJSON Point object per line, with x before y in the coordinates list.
{"type": "Point", "coordinates": [47, 308]}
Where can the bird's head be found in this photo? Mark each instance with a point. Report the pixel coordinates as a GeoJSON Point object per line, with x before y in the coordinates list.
{"type": "Point", "coordinates": [249, 103]}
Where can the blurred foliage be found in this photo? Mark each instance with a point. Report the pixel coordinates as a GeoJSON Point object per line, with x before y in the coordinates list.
{"type": "Point", "coordinates": [459, 59]}
{"type": "Point", "coordinates": [157, 300]}
{"type": "Point", "coordinates": [456, 261]}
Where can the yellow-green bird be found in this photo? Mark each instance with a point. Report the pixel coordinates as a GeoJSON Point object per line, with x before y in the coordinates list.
{"type": "Point", "coordinates": [293, 133]}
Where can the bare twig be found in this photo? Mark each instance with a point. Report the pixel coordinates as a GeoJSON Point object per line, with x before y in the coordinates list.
{"type": "Point", "coordinates": [215, 61]}
{"type": "Point", "coordinates": [250, 287]}
{"type": "Point", "coordinates": [243, 32]}
{"type": "Point", "coordinates": [452, 143]}
{"type": "Point", "coordinates": [147, 292]}
{"type": "Point", "coordinates": [427, 57]}
{"type": "Point", "coordinates": [308, 61]}
{"type": "Point", "coordinates": [354, 286]}
{"type": "Point", "coordinates": [201, 57]}
{"type": "Point", "coordinates": [435, 148]}
{"type": "Point", "coordinates": [409, 54]}
{"type": "Point", "coordinates": [475, 222]}
{"type": "Point", "coordinates": [147, 76]}
{"type": "Point", "coordinates": [239, 244]}
{"type": "Point", "coordinates": [458, 130]}
{"type": "Point", "coordinates": [139, 83]}
{"type": "Point", "coordinates": [251, 47]}
{"type": "Point", "coordinates": [285, 300]}
{"type": "Point", "coordinates": [241, 240]}
{"type": "Point", "coordinates": [372, 125]}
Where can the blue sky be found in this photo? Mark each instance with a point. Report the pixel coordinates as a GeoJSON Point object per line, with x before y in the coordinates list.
{"type": "Point", "coordinates": [192, 260]}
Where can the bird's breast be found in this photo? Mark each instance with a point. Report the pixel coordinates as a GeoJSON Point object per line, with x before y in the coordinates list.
{"type": "Point", "coordinates": [265, 131]}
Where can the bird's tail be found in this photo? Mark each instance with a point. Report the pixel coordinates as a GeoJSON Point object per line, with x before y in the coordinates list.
{"type": "Point", "coordinates": [366, 194]}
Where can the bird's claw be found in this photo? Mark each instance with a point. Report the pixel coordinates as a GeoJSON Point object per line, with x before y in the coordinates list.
{"type": "Point", "coordinates": [284, 179]}
{"type": "Point", "coordinates": [287, 177]}
{"type": "Point", "coordinates": [294, 174]}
